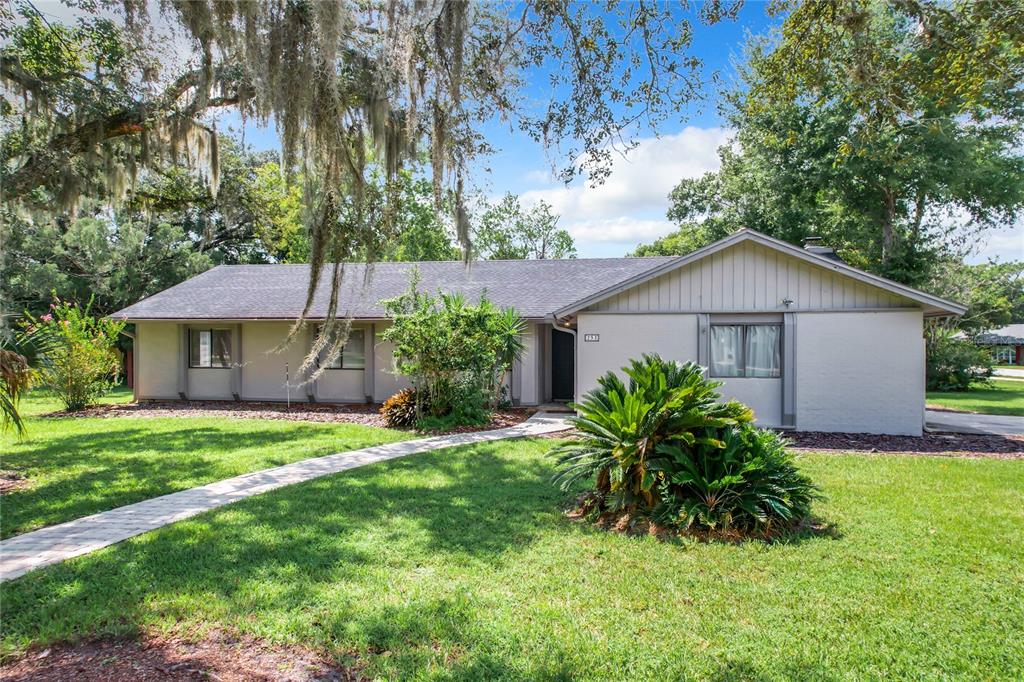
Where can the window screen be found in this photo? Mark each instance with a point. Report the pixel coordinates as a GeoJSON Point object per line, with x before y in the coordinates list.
{"type": "Point", "coordinates": [209, 348]}
{"type": "Point", "coordinates": [353, 356]}
{"type": "Point", "coordinates": [746, 350]}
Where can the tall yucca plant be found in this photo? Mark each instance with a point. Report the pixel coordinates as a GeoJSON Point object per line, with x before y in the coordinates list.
{"type": "Point", "coordinates": [626, 428]}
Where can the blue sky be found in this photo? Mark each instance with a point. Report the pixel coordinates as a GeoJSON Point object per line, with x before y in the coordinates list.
{"type": "Point", "coordinates": [629, 208]}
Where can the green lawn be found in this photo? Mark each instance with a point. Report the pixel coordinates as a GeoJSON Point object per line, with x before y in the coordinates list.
{"type": "Point", "coordinates": [1004, 397]}
{"type": "Point", "coordinates": [79, 466]}
{"type": "Point", "coordinates": [459, 565]}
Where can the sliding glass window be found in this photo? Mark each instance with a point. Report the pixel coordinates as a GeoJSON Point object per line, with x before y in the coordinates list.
{"type": "Point", "coordinates": [746, 350]}
{"type": "Point", "coordinates": [209, 348]}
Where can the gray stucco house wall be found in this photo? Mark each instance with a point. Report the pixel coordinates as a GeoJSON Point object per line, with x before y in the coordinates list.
{"type": "Point", "coordinates": [806, 340]}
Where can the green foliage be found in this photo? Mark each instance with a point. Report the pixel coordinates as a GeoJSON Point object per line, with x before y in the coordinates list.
{"type": "Point", "coordinates": [77, 356]}
{"type": "Point", "coordinates": [745, 483]}
{"type": "Point", "coordinates": [469, 406]}
{"type": "Point", "coordinates": [456, 354]}
{"type": "Point", "coordinates": [896, 193]}
{"type": "Point", "coordinates": [399, 411]}
{"type": "Point", "coordinates": [15, 379]}
{"type": "Point", "coordinates": [954, 363]}
{"type": "Point", "coordinates": [663, 446]}
{"type": "Point", "coordinates": [418, 232]}
{"type": "Point", "coordinates": [686, 239]}
{"type": "Point", "coordinates": [170, 229]}
{"type": "Point", "coordinates": [506, 231]}
{"type": "Point", "coordinates": [993, 293]}
{"type": "Point", "coordinates": [114, 262]}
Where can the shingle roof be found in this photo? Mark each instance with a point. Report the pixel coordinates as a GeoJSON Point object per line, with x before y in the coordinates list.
{"type": "Point", "coordinates": [535, 288]}
{"type": "Point", "coordinates": [1011, 334]}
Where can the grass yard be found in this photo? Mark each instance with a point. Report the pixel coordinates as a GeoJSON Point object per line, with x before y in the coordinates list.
{"type": "Point", "coordinates": [1004, 397]}
{"type": "Point", "coordinates": [459, 565]}
{"type": "Point", "coordinates": [79, 466]}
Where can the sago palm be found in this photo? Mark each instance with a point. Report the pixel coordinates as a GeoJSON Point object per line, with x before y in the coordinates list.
{"type": "Point", "coordinates": [624, 426]}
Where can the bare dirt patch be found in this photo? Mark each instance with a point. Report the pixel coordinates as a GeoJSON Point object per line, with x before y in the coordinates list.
{"type": "Point", "coordinates": [368, 415]}
{"type": "Point", "coordinates": [11, 481]}
{"type": "Point", "coordinates": [217, 657]}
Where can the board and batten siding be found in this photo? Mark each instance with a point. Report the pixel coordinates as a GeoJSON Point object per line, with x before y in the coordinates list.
{"type": "Point", "coordinates": [750, 278]}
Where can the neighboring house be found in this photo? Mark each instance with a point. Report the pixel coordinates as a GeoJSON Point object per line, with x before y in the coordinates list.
{"type": "Point", "coordinates": [1005, 344]}
{"type": "Point", "coordinates": [806, 340]}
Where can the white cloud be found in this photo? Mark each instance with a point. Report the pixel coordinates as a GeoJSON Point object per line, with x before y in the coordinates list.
{"type": "Point", "coordinates": [1004, 244]}
{"type": "Point", "coordinates": [622, 229]}
{"type": "Point", "coordinates": [640, 181]}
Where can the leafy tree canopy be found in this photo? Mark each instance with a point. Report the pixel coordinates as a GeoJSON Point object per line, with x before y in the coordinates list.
{"type": "Point", "coordinates": [507, 231]}
{"type": "Point", "coordinates": [337, 79]}
{"type": "Point", "coordinates": [843, 130]}
{"type": "Point", "coordinates": [169, 229]}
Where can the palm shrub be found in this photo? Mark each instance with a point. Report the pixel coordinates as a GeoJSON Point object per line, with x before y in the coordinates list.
{"type": "Point", "coordinates": [15, 379]}
{"type": "Point", "coordinates": [742, 481]}
{"type": "Point", "coordinates": [456, 354]}
{"type": "Point", "coordinates": [663, 445]}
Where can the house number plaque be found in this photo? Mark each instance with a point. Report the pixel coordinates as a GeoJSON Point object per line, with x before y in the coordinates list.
{"type": "Point", "coordinates": [591, 337]}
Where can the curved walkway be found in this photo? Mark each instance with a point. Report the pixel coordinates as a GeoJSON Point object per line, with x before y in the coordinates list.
{"type": "Point", "coordinates": [23, 553]}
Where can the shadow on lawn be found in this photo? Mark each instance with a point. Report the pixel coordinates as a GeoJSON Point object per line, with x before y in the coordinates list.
{"type": "Point", "coordinates": [283, 554]}
{"type": "Point", "coordinates": [173, 460]}
{"type": "Point", "coordinates": [370, 564]}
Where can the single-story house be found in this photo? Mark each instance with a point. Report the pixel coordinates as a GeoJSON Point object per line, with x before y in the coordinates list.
{"type": "Point", "coordinates": [1006, 344]}
{"type": "Point", "coordinates": [807, 341]}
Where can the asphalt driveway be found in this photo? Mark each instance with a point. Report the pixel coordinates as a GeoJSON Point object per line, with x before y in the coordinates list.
{"type": "Point", "coordinates": [963, 422]}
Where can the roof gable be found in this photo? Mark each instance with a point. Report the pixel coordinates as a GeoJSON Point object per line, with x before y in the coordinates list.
{"type": "Point", "coordinates": [749, 271]}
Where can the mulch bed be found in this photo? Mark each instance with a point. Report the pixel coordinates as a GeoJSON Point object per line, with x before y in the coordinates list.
{"type": "Point", "coordinates": [217, 657]}
{"type": "Point", "coordinates": [368, 415]}
{"type": "Point", "coordinates": [931, 444]}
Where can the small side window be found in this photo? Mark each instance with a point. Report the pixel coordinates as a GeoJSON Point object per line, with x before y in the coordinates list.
{"type": "Point", "coordinates": [353, 355]}
{"type": "Point", "coordinates": [209, 348]}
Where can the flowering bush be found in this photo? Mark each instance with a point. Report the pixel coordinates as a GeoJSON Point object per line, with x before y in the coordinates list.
{"type": "Point", "coordinates": [77, 352]}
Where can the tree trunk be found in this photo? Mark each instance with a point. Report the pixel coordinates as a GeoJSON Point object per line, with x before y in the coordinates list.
{"type": "Point", "coordinates": [888, 221]}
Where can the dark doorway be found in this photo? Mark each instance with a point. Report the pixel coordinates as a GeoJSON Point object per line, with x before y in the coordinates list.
{"type": "Point", "coordinates": [563, 366]}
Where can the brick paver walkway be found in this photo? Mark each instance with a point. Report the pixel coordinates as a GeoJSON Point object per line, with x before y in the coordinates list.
{"type": "Point", "coordinates": [23, 553]}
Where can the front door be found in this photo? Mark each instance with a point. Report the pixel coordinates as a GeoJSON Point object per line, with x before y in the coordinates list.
{"type": "Point", "coordinates": [563, 366]}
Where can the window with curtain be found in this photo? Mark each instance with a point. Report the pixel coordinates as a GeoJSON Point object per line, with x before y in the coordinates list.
{"type": "Point", "coordinates": [353, 355]}
{"type": "Point", "coordinates": [746, 350]}
{"type": "Point", "coordinates": [209, 348]}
